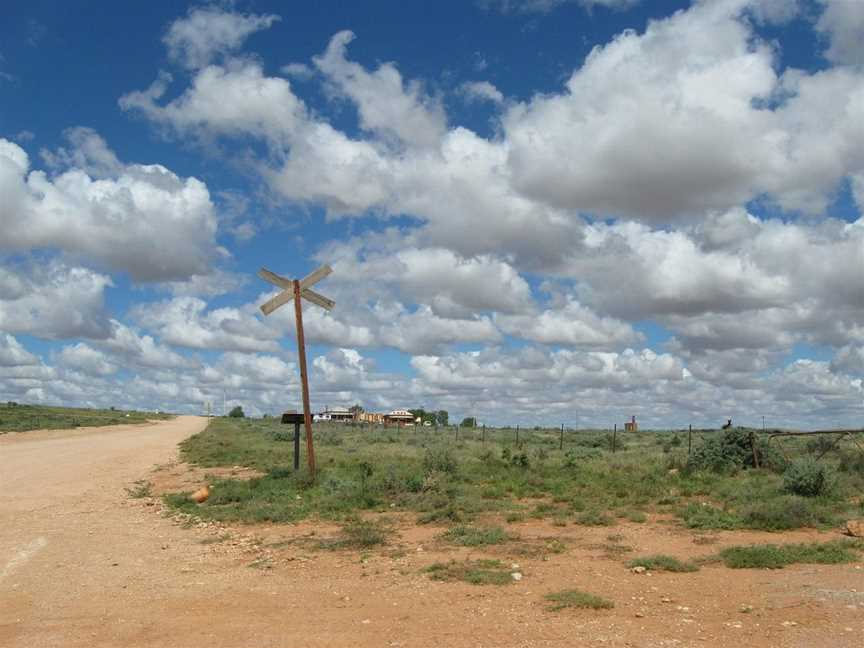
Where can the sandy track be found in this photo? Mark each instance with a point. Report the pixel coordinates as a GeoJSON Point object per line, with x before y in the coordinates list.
{"type": "Point", "coordinates": [82, 564]}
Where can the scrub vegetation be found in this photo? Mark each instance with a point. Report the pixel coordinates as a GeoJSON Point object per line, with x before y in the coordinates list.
{"type": "Point", "coordinates": [15, 417]}
{"type": "Point", "coordinates": [450, 477]}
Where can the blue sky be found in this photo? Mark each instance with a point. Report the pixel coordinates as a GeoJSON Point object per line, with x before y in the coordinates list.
{"type": "Point", "coordinates": [538, 211]}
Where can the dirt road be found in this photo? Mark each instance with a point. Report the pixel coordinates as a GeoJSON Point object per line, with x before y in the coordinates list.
{"type": "Point", "coordinates": [83, 564]}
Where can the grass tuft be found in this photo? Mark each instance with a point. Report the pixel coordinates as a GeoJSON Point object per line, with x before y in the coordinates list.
{"type": "Point", "coordinates": [359, 534]}
{"type": "Point", "coordinates": [469, 536]}
{"type": "Point", "coordinates": [770, 556]}
{"type": "Point", "coordinates": [594, 518]}
{"type": "Point", "coordinates": [662, 562]}
{"type": "Point", "coordinates": [574, 598]}
{"type": "Point", "coordinates": [476, 572]}
{"type": "Point", "coordinates": [141, 488]}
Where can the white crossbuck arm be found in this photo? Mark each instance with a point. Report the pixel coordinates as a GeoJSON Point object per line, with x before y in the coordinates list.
{"type": "Point", "coordinates": [287, 293]}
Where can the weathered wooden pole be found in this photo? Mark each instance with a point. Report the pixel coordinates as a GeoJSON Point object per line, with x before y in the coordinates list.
{"type": "Point", "coordinates": [614, 434]}
{"type": "Point", "coordinates": [561, 442]}
{"type": "Point", "coordinates": [690, 440]}
{"type": "Point", "coordinates": [304, 379]}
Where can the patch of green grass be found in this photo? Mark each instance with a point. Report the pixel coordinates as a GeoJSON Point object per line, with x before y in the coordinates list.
{"type": "Point", "coordinates": [358, 534]}
{"type": "Point", "coordinates": [594, 518]}
{"type": "Point", "coordinates": [574, 598]}
{"type": "Point", "coordinates": [636, 516]}
{"type": "Point", "coordinates": [476, 572]}
{"type": "Point", "coordinates": [470, 536]}
{"type": "Point", "coordinates": [703, 516]}
{"type": "Point", "coordinates": [141, 488]}
{"type": "Point", "coordinates": [770, 556]}
{"type": "Point", "coordinates": [787, 512]}
{"type": "Point", "coordinates": [662, 562]}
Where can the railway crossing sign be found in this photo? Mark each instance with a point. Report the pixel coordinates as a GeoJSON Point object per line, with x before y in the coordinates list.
{"type": "Point", "coordinates": [299, 289]}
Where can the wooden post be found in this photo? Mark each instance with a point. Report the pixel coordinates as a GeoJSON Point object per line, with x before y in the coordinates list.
{"type": "Point", "coordinates": [296, 446]}
{"type": "Point", "coordinates": [295, 289]}
{"type": "Point", "coordinates": [753, 447]}
{"type": "Point", "coordinates": [561, 442]}
{"type": "Point", "coordinates": [484, 434]}
{"type": "Point", "coordinates": [690, 440]}
{"type": "Point", "coordinates": [614, 434]}
{"type": "Point", "coordinates": [517, 434]}
{"type": "Point", "coordinates": [301, 352]}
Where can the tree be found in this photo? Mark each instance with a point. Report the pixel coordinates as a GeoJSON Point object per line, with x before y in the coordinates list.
{"type": "Point", "coordinates": [356, 410]}
{"type": "Point", "coordinates": [468, 422]}
{"type": "Point", "coordinates": [423, 415]}
{"type": "Point", "coordinates": [442, 418]}
{"type": "Point", "coordinates": [236, 412]}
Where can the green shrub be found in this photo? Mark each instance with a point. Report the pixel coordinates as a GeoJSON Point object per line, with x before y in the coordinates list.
{"type": "Point", "coordinates": [441, 460]}
{"type": "Point", "coordinates": [732, 450]}
{"type": "Point", "coordinates": [808, 478]}
{"type": "Point", "coordinates": [703, 516]}
{"type": "Point", "coordinates": [661, 562]}
{"type": "Point", "coordinates": [520, 459]}
{"type": "Point", "coordinates": [784, 513]}
{"type": "Point", "coordinates": [771, 556]}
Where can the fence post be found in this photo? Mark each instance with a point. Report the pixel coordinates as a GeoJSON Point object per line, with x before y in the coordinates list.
{"type": "Point", "coordinates": [561, 442]}
{"type": "Point", "coordinates": [517, 434]}
{"type": "Point", "coordinates": [484, 434]}
{"type": "Point", "coordinates": [457, 432]}
{"type": "Point", "coordinates": [689, 439]}
{"type": "Point", "coordinates": [753, 447]}
{"type": "Point", "coordinates": [614, 434]}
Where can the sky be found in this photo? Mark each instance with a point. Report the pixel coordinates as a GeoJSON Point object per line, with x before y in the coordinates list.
{"type": "Point", "coordinates": [537, 212]}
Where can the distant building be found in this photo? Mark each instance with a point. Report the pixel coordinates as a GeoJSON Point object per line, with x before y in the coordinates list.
{"type": "Point", "coordinates": [399, 417]}
{"type": "Point", "coordinates": [336, 415]}
{"type": "Point", "coordinates": [370, 417]}
{"type": "Point", "coordinates": [631, 426]}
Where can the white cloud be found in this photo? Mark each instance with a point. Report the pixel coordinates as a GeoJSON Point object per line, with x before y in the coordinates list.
{"type": "Point", "coordinates": [229, 101]}
{"type": "Point", "coordinates": [422, 331]}
{"type": "Point", "coordinates": [86, 359]}
{"type": "Point", "coordinates": [212, 284]}
{"type": "Point", "coordinates": [482, 91]}
{"type": "Point", "coordinates": [12, 354]}
{"type": "Point", "coordinates": [546, 6]}
{"type": "Point", "coordinates": [570, 324]}
{"type": "Point", "coordinates": [141, 351]}
{"type": "Point", "coordinates": [206, 32]}
{"type": "Point", "coordinates": [298, 71]}
{"type": "Point", "coordinates": [842, 22]}
{"type": "Point", "coordinates": [54, 301]}
{"type": "Point", "coordinates": [141, 219]}
{"type": "Point", "coordinates": [676, 120]}
{"type": "Point", "coordinates": [186, 322]}
{"type": "Point", "coordinates": [849, 359]}
{"type": "Point", "coordinates": [386, 106]}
